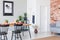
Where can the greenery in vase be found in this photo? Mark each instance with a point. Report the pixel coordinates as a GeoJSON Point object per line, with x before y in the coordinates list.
{"type": "Point", "coordinates": [20, 18]}
{"type": "Point", "coordinates": [25, 14]}
{"type": "Point", "coordinates": [6, 21]}
{"type": "Point", "coordinates": [17, 20]}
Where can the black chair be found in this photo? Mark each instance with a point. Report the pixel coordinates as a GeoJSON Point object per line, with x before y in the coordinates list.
{"type": "Point", "coordinates": [17, 31]}
{"type": "Point", "coordinates": [4, 31]}
{"type": "Point", "coordinates": [26, 28]}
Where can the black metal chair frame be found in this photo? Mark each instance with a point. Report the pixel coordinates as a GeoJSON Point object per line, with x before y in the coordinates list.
{"type": "Point", "coordinates": [16, 32]}
{"type": "Point", "coordinates": [4, 34]}
{"type": "Point", "coordinates": [26, 30]}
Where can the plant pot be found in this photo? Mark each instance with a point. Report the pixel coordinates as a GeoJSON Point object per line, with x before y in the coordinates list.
{"type": "Point", "coordinates": [35, 31]}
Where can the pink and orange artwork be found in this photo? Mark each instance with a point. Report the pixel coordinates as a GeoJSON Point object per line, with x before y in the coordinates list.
{"type": "Point", "coordinates": [54, 10]}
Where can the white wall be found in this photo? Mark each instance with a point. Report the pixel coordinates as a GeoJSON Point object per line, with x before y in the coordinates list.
{"type": "Point", "coordinates": [20, 7]}
{"type": "Point", "coordinates": [33, 8]}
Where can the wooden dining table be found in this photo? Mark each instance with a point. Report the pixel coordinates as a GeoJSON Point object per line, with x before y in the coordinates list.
{"type": "Point", "coordinates": [11, 24]}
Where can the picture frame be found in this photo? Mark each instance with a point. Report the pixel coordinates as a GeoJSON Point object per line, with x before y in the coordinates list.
{"type": "Point", "coordinates": [7, 8]}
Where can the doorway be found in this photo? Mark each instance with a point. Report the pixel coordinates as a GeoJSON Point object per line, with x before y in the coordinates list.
{"type": "Point", "coordinates": [44, 18]}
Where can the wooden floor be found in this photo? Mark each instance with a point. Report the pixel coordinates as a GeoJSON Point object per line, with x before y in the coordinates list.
{"type": "Point", "coordinates": [49, 38]}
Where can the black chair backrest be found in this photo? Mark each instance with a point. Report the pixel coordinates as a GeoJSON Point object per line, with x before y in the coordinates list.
{"type": "Point", "coordinates": [17, 26]}
{"type": "Point", "coordinates": [4, 28]}
{"type": "Point", "coordinates": [7, 25]}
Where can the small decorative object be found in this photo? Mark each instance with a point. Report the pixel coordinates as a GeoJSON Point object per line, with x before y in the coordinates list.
{"type": "Point", "coordinates": [6, 21]}
{"type": "Point", "coordinates": [33, 19]}
{"type": "Point", "coordinates": [25, 17]}
{"type": "Point", "coordinates": [35, 29]}
{"type": "Point", "coordinates": [17, 21]}
{"type": "Point", "coordinates": [20, 18]}
{"type": "Point", "coordinates": [7, 8]}
{"type": "Point", "coordinates": [25, 14]}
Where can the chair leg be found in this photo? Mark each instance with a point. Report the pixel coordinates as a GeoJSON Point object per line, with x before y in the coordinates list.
{"type": "Point", "coordinates": [29, 33]}
{"type": "Point", "coordinates": [1, 37]}
{"type": "Point", "coordinates": [15, 36]}
{"type": "Point", "coordinates": [6, 37]}
{"type": "Point", "coordinates": [20, 36]}
{"type": "Point", "coordinates": [12, 36]}
{"type": "Point", "coordinates": [23, 33]}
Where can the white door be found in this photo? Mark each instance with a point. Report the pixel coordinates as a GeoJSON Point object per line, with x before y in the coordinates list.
{"type": "Point", "coordinates": [43, 19]}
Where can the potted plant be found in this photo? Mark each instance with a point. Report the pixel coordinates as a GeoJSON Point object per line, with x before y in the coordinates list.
{"type": "Point", "coordinates": [35, 29]}
{"type": "Point", "coordinates": [25, 17]}
{"type": "Point", "coordinates": [25, 14]}
{"type": "Point", "coordinates": [17, 21]}
{"type": "Point", "coordinates": [20, 18]}
{"type": "Point", "coordinates": [6, 21]}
